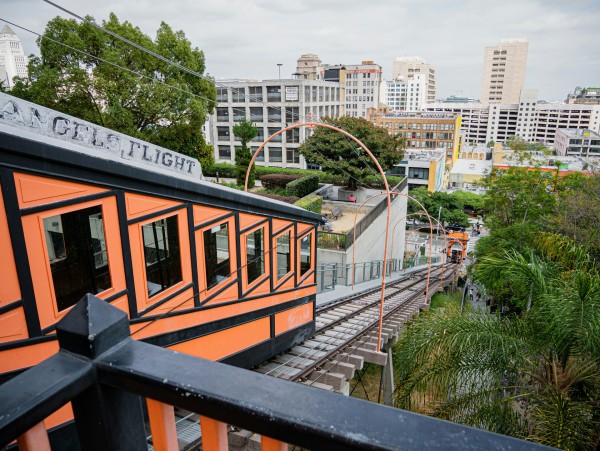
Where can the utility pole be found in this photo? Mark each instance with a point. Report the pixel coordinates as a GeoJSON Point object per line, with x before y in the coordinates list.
{"type": "Point", "coordinates": [438, 224]}
{"type": "Point", "coordinates": [279, 67]}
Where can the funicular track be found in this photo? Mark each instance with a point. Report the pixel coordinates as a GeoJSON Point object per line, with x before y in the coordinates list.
{"type": "Point", "coordinates": [346, 333]}
{"type": "Point", "coordinates": [345, 339]}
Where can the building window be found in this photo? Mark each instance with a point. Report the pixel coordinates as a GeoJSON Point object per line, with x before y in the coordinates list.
{"type": "Point", "coordinates": [256, 114]}
{"type": "Point", "coordinates": [272, 131]}
{"type": "Point", "coordinates": [225, 152]}
{"type": "Point", "coordinates": [222, 114]}
{"type": "Point", "coordinates": [292, 156]}
{"type": "Point", "coordinates": [283, 255]}
{"type": "Point", "coordinates": [77, 255]}
{"type": "Point", "coordinates": [305, 255]}
{"type": "Point", "coordinates": [255, 93]}
{"type": "Point", "coordinates": [222, 95]}
{"type": "Point", "coordinates": [255, 261]}
{"type": "Point", "coordinates": [238, 94]}
{"type": "Point", "coordinates": [216, 255]}
{"type": "Point", "coordinates": [223, 133]}
{"type": "Point", "coordinates": [260, 137]}
{"type": "Point", "coordinates": [274, 114]}
{"type": "Point", "coordinates": [275, 154]}
{"type": "Point", "coordinates": [292, 136]}
{"type": "Point", "coordinates": [162, 254]}
{"type": "Point", "coordinates": [274, 94]}
{"type": "Point", "coordinates": [292, 115]}
{"type": "Point", "coordinates": [239, 114]}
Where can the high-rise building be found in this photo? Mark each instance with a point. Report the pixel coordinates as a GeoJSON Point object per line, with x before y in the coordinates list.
{"type": "Point", "coordinates": [271, 105]}
{"type": "Point", "coordinates": [405, 95]}
{"type": "Point", "coordinates": [308, 67]}
{"type": "Point", "coordinates": [13, 61]}
{"type": "Point", "coordinates": [504, 71]}
{"type": "Point", "coordinates": [409, 66]}
{"type": "Point", "coordinates": [361, 84]}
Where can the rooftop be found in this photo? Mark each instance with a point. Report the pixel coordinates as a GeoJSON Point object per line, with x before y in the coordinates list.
{"type": "Point", "coordinates": [471, 167]}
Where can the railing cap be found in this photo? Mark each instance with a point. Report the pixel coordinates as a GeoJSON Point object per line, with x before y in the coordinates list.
{"type": "Point", "coordinates": [92, 327]}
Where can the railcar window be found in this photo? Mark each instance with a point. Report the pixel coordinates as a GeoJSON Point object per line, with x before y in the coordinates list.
{"type": "Point", "coordinates": [77, 254]}
{"type": "Point", "coordinates": [162, 254]}
{"type": "Point", "coordinates": [305, 255]}
{"type": "Point", "coordinates": [216, 254]}
{"type": "Point", "coordinates": [283, 255]}
{"type": "Point", "coordinates": [255, 261]}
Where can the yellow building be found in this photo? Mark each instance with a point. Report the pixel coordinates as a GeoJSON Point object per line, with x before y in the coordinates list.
{"type": "Point", "coordinates": [422, 130]}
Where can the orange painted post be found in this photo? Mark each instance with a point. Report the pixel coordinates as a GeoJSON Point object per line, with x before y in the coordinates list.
{"type": "Point", "coordinates": [35, 439]}
{"type": "Point", "coordinates": [214, 435]}
{"type": "Point", "coordinates": [162, 426]}
{"type": "Point", "coordinates": [270, 444]}
{"type": "Point", "coordinates": [387, 191]}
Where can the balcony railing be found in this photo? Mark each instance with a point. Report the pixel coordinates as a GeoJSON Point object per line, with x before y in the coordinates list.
{"type": "Point", "coordinates": [107, 376]}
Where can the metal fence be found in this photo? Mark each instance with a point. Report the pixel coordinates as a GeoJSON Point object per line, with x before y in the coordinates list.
{"type": "Point", "coordinates": [331, 274]}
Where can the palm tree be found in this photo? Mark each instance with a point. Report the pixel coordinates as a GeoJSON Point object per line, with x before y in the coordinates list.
{"type": "Point", "coordinates": [535, 374]}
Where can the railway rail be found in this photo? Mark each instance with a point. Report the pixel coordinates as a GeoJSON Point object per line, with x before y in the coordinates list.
{"type": "Point", "coordinates": [345, 338]}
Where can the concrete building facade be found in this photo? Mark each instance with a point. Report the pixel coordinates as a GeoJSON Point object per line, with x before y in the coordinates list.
{"type": "Point", "coordinates": [361, 84]}
{"type": "Point", "coordinates": [504, 71]}
{"type": "Point", "coordinates": [13, 61]}
{"type": "Point", "coordinates": [580, 142]}
{"type": "Point", "coordinates": [271, 105]}
{"type": "Point", "coordinates": [530, 119]}
{"type": "Point", "coordinates": [409, 66]}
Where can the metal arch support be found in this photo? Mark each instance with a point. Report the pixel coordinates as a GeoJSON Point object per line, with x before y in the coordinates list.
{"type": "Point", "coordinates": [387, 192]}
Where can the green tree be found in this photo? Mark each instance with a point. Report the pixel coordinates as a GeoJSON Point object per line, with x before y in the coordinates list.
{"type": "Point", "coordinates": [245, 131]}
{"type": "Point", "coordinates": [449, 207]}
{"type": "Point", "coordinates": [338, 154]}
{"type": "Point", "coordinates": [90, 86]}
{"type": "Point", "coordinates": [535, 375]}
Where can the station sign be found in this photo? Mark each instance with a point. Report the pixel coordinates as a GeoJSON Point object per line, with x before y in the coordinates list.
{"type": "Point", "coordinates": [33, 121]}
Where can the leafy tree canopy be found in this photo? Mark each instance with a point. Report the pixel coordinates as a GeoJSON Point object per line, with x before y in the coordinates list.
{"type": "Point", "coordinates": [451, 205]}
{"type": "Point", "coordinates": [84, 86]}
{"type": "Point", "coordinates": [338, 154]}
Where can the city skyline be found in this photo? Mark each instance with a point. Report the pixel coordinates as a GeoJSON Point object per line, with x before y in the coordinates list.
{"type": "Point", "coordinates": [560, 58]}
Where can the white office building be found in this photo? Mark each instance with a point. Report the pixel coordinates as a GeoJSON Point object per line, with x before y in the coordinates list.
{"type": "Point", "coordinates": [411, 66]}
{"type": "Point", "coordinates": [271, 105]}
{"type": "Point", "coordinates": [13, 61]}
{"type": "Point", "coordinates": [504, 71]}
{"type": "Point", "coordinates": [530, 119]}
{"type": "Point", "coordinates": [403, 94]}
{"type": "Point", "coordinates": [578, 142]}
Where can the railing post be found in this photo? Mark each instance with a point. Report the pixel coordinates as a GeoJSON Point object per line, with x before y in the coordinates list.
{"type": "Point", "coordinates": [105, 417]}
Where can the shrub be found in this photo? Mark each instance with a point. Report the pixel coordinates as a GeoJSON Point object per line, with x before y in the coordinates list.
{"type": "Point", "coordinates": [374, 181]}
{"type": "Point", "coordinates": [286, 199]}
{"type": "Point", "coordinates": [303, 186]}
{"type": "Point", "coordinates": [274, 181]}
{"type": "Point", "coordinates": [224, 170]}
{"type": "Point", "coordinates": [311, 203]}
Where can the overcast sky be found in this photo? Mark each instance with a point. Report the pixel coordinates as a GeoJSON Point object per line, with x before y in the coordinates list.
{"type": "Point", "coordinates": [248, 38]}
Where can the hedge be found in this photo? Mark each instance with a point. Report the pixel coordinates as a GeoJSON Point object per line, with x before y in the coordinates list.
{"type": "Point", "coordinates": [224, 170]}
{"type": "Point", "coordinates": [311, 203]}
{"type": "Point", "coordinates": [287, 199]}
{"type": "Point", "coordinates": [274, 181]}
{"type": "Point", "coordinates": [303, 186]}
{"type": "Point", "coordinates": [229, 171]}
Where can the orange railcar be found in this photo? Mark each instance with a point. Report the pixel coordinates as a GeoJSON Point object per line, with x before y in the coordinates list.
{"type": "Point", "coordinates": [199, 268]}
{"type": "Point", "coordinates": [457, 246]}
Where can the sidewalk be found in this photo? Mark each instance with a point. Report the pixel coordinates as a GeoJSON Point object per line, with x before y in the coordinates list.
{"type": "Point", "coordinates": [342, 291]}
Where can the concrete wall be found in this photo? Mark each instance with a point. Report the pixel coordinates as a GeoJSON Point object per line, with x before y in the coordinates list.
{"type": "Point", "coordinates": [369, 246]}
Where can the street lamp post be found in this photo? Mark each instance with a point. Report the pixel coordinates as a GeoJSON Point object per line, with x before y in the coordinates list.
{"type": "Point", "coordinates": [279, 67]}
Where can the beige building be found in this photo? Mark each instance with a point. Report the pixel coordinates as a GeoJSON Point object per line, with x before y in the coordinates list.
{"type": "Point", "coordinates": [504, 71]}
{"type": "Point", "coordinates": [409, 66]}
{"type": "Point", "coordinates": [308, 67]}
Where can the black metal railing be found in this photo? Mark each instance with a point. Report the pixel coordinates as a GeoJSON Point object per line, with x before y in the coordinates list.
{"type": "Point", "coordinates": [106, 375]}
